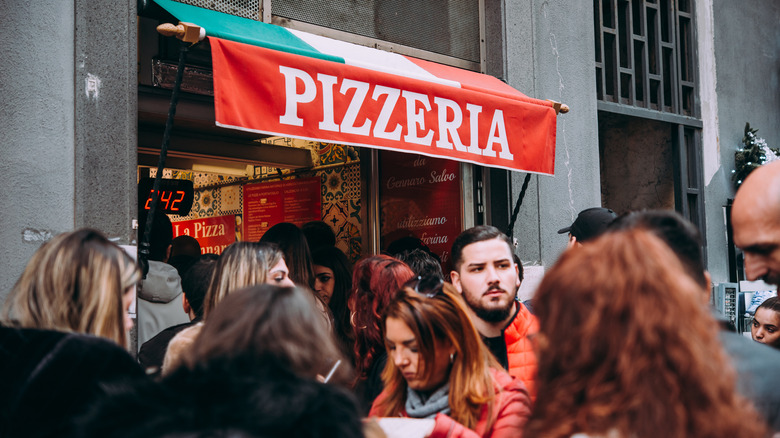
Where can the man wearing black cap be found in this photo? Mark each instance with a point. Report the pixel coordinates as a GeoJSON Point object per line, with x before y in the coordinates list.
{"type": "Point", "coordinates": [590, 223]}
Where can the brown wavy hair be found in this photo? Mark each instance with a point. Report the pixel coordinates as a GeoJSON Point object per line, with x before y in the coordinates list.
{"type": "Point", "coordinates": [626, 345]}
{"type": "Point", "coordinates": [375, 281]}
{"type": "Point", "coordinates": [442, 320]}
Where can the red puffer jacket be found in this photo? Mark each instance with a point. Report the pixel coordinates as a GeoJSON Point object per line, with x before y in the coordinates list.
{"type": "Point", "coordinates": [511, 410]}
{"type": "Point", "coordinates": [520, 350]}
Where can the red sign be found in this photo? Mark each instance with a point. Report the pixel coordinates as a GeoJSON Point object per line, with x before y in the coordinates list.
{"type": "Point", "coordinates": [420, 197]}
{"type": "Point", "coordinates": [266, 204]}
{"type": "Point", "coordinates": [213, 233]}
{"type": "Point", "coordinates": [277, 93]}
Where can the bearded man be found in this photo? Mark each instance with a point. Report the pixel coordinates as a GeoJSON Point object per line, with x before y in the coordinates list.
{"type": "Point", "coordinates": [487, 277]}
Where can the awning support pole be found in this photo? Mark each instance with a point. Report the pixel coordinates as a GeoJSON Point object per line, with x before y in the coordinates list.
{"type": "Point", "coordinates": [511, 229]}
{"type": "Point", "coordinates": [144, 244]}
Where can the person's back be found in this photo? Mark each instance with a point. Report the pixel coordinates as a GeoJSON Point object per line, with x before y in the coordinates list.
{"type": "Point", "coordinates": [159, 298]}
{"type": "Point", "coordinates": [252, 373]}
{"type": "Point", "coordinates": [757, 379]}
{"type": "Point", "coordinates": [195, 285]}
{"type": "Point", "coordinates": [48, 378]}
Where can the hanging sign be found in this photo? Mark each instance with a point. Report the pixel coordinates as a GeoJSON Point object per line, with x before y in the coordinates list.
{"type": "Point", "coordinates": [284, 94]}
{"type": "Point", "coordinates": [214, 234]}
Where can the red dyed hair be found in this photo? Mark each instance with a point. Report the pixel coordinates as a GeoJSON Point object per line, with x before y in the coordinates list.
{"type": "Point", "coordinates": [626, 345]}
{"type": "Point", "coordinates": [375, 281]}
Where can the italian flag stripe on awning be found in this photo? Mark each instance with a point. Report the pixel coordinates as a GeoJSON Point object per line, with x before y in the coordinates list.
{"type": "Point", "coordinates": [283, 82]}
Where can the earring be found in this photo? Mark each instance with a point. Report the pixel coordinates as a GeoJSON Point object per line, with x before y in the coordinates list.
{"type": "Point", "coordinates": [452, 357]}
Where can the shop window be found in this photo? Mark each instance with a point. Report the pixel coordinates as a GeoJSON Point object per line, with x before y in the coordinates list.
{"type": "Point", "coordinates": [420, 197]}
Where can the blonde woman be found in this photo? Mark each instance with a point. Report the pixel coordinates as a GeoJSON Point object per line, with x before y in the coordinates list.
{"type": "Point", "coordinates": [78, 282]}
{"type": "Point", "coordinates": [242, 264]}
{"type": "Point", "coordinates": [63, 321]}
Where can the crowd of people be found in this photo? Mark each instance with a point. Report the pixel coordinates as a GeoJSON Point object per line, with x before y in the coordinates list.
{"type": "Point", "coordinates": [285, 338]}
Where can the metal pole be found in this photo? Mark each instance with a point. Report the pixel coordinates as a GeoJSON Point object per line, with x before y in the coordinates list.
{"type": "Point", "coordinates": [144, 244]}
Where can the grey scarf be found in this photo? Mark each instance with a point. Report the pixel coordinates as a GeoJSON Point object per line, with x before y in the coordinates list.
{"type": "Point", "coordinates": [416, 407]}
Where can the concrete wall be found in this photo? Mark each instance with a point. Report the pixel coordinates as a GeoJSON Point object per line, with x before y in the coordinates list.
{"type": "Point", "coordinates": [68, 154]}
{"type": "Point", "coordinates": [739, 51]}
{"type": "Point", "coordinates": [549, 55]}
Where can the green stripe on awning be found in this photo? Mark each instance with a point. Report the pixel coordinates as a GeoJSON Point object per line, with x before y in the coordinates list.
{"type": "Point", "coordinates": [243, 30]}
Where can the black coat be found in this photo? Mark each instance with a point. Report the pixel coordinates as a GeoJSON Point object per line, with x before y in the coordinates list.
{"type": "Point", "coordinates": [47, 378]}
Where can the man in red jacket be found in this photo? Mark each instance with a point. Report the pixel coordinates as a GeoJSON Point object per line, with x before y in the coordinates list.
{"type": "Point", "coordinates": [487, 277]}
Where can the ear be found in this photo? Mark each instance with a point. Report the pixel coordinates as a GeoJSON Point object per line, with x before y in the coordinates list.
{"type": "Point", "coordinates": [455, 279]}
{"type": "Point", "coordinates": [185, 304]}
{"type": "Point", "coordinates": [167, 253]}
{"type": "Point", "coordinates": [517, 276]}
{"type": "Point", "coordinates": [572, 241]}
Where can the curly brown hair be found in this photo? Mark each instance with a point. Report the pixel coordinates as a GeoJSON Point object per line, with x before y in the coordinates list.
{"type": "Point", "coordinates": [626, 345]}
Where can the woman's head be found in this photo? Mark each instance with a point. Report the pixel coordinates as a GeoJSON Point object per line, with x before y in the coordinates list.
{"type": "Point", "coordinates": [79, 281]}
{"type": "Point", "coordinates": [291, 240]}
{"type": "Point", "coordinates": [427, 334]}
{"type": "Point", "coordinates": [245, 264]}
{"type": "Point", "coordinates": [431, 341]}
{"type": "Point", "coordinates": [375, 280]}
{"type": "Point", "coordinates": [624, 335]}
{"type": "Point", "coordinates": [333, 283]}
{"type": "Point", "coordinates": [333, 275]}
{"type": "Point", "coordinates": [269, 323]}
{"type": "Point", "coordinates": [766, 323]}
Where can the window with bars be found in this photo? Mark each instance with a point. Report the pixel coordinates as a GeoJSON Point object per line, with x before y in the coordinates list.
{"type": "Point", "coordinates": [645, 54]}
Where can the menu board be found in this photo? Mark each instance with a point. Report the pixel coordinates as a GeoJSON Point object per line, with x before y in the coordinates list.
{"type": "Point", "coordinates": [267, 204]}
{"type": "Point", "coordinates": [421, 197]}
{"type": "Point", "coordinates": [214, 234]}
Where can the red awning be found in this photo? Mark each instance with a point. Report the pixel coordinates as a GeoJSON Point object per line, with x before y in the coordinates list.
{"type": "Point", "coordinates": [282, 82]}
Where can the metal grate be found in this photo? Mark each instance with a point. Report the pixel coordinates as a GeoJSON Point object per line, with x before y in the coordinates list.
{"type": "Point", "coordinates": [645, 55]}
{"type": "Point", "coordinates": [241, 8]}
{"type": "Point", "coordinates": [446, 27]}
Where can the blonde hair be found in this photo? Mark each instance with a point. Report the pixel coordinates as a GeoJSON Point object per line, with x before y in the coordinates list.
{"type": "Point", "coordinates": [75, 283]}
{"type": "Point", "coordinates": [242, 264]}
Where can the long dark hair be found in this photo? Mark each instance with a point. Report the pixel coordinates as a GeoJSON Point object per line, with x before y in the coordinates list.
{"type": "Point", "coordinates": [335, 260]}
{"type": "Point", "coordinates": [292, 242]}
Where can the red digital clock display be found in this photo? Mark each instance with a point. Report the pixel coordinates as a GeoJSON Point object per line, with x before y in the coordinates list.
{"type": "Point", "coordinates": [175, 197]}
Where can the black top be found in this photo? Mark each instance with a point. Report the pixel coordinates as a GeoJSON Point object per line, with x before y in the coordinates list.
{"type": "Point", "coordinates": [497, 345]}
{"type": "Point", "coordinates": [47, 378]}
{"type": "Point", "coordinates": [152, 352]}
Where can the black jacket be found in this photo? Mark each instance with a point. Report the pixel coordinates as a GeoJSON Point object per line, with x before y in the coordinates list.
{"type": "Point", "coordinates": [47, 378]}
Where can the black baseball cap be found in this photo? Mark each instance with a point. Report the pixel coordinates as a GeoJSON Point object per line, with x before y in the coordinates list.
{"type": "Point", "coordinates": [590, 223]}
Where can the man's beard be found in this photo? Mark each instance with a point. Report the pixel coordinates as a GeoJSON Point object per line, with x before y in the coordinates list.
{"type": "Point", "coordinates": [488, 314]}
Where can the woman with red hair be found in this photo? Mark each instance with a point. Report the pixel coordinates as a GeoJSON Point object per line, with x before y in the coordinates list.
{"type": "Point", "coordinates": [626, 348]}
{"type": "Point", "coordinates": [375, 280]}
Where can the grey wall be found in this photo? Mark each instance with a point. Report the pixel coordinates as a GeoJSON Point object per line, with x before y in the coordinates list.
{"type": "Point", "coordinates": [549, 55]}
{"type": "Point", "coordinates": [68, 156]}
{"type": "Point", "coordinates": [747, 65]}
